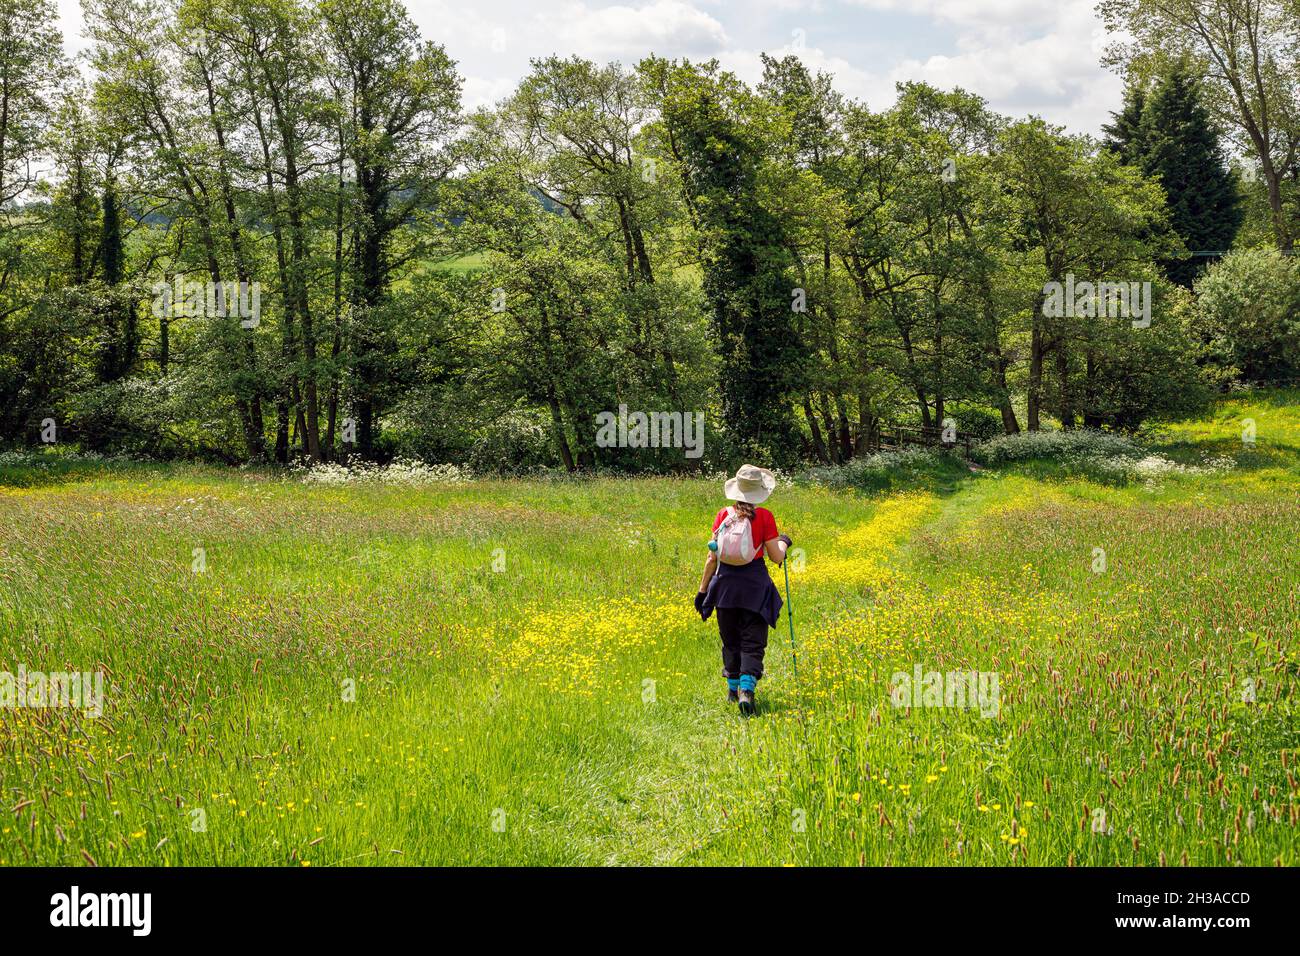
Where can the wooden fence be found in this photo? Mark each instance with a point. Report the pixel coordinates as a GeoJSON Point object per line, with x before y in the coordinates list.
{"type": "Point", "coordinates": [891, 436]}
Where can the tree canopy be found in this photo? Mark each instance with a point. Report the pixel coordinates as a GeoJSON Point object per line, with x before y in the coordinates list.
{"type": "Point", "coordinates": [269, 230]}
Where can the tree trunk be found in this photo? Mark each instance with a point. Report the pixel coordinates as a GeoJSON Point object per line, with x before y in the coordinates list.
{"type": "Point", "coordinates": [845, 432]}
{"type": "Point", "coordinates": [297, 289]}
{"type": "Point", "coordinates": [828, 419]}
{"type": "Point", "coordinates": [1063, 378]}
{"type": "Point", "coordinates": [1034, 399]}
{"type": "Point", "coordinates": [1009, 423]}
{"type": "Point", "coordinates": [1090, 417]}
{"type": "Point", "coordinates": [561, 442]}
{"type": "Point", "coordinates": [819, 446]}
{"type": "Point", "coordinates": [287, 348]}
{"type": "Point", "coordinates": [865, 425]}
{"type": "Point", "coordinates": [164, 344]}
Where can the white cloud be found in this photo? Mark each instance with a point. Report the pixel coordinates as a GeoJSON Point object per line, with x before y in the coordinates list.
{"type": "Point", "coordinates": [486, 91]}
{"type": "Point", "coordinates": [876, 90]}
{"type": "Point", "coordinates": [1023, 56]}
{"type": "Point", "coordinates": [979, 14]}
{"type": "Point", "coordinates": [668, 27]}
{"type": "Point", "coordinates": [70, 22]}
{"type": "Point", "coordinates": [1052, 72]}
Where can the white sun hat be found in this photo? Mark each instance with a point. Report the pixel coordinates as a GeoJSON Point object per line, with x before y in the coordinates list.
{"type": "Point", "coordinates": [751, 484]}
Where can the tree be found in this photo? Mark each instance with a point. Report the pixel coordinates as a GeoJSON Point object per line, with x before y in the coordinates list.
{"type": "Point", "coordinates": [121, 335]}
{"type": "Point", "coordinates": [32, 70]}
{"type": "Point", "coordinates": [783, 259]}
{"type": "Point", "coordinates": [573, 132]}
{"type": "Point", "coordinates": [971, 245]}
{"type": "Point", "coordinates": [807, 193]}
{"type": "Point", "coordinates": [1177, 145]}
{"type": "Point", "coordinates": [543, 310]}
{"type": "Point", "coordinates": [716, 130]}
{"type": "Point", "coordinates": [1132, 376]}
{"type": "Point", "coordinates": [36, 362]}
{"type": "Point", "coordinates": [1245, 50]}
{"type": "Point", "coordinates": [147, 64]}
{"type": "Point", "coordinates": [74, 209]}
{"type": "Point", "coordinates": [1077, 212]}
{"type": "Point", "coordinates": [400, 102]}
{"type": "Point", "coordinates": [1124, 134]}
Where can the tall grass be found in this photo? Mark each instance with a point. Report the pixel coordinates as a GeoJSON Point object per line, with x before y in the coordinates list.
{"type": "Point", "coordinates": [475, 671]}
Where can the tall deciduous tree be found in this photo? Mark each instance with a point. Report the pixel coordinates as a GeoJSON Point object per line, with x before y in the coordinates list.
{"type": "Point", "coordinates": [1078, 214]}
{"type": "Point", "coordinates": [716, 130]}
{"type": "Point", "coordinates": [32, 69]}
{"type": "Point", "coordinates": [400, 103]}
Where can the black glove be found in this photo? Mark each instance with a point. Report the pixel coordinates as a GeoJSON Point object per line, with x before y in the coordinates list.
{"type": "Point", "coordinates": [699, 603]}
{"type": "Point", "coordinates": [786, 538]}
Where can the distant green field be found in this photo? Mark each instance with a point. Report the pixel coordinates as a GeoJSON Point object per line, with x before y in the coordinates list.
{"type": "Point", "coordinates": [469, 263]}
{"type": "Point", "coordinates": [511, 672]}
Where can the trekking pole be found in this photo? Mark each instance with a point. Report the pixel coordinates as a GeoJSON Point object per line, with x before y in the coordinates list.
{"type": "Point", "coordinates": [789, 609]}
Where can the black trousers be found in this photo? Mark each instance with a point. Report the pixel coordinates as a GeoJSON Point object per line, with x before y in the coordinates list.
{"type": "Point", "coordinates": [744, 641]}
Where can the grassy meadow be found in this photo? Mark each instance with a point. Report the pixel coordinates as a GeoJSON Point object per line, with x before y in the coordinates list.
{"type": "Point", "coordinates": [511, 672]}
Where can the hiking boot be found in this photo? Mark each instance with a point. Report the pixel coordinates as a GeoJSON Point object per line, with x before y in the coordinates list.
{"type": "Point", "coordinates": [746, 701]}
{"type": "Point", "coordinates": [732, 696]}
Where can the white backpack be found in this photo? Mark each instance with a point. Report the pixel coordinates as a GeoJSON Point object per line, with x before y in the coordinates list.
{"type": "Point", "coordinates": [735, 539]}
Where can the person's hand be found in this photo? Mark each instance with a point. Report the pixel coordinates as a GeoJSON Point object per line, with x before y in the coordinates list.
{"type": "Point", "coordinates": [786, 539]}
{"type": "Point", "coordinates": [699, 603]}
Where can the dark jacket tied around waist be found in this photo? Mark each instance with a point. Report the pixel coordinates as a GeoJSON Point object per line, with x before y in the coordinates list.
{"type": "Point", "coordinates": [748, 586]}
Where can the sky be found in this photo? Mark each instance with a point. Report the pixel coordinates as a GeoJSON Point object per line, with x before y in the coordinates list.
{"type": "Point", "coordinates": [1022, 56]}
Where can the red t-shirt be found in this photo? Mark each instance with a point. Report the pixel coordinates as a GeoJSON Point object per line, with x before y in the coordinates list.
{"type": "Point", "coordinates": [763, 525]}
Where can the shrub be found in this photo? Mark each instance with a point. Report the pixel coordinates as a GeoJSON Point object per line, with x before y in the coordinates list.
{"type": "Point", "coordinates": [1059, 445]}
{"type": "Point", "coordinates": [1102, 456]}
{"type": "Point", "coordinates": [1248, 307]}
{"type": "Point", "coordinates": [400, 472]}
{"type": "Point", "coordinates": [889, 469]}
{"type": "Point", "coordinates": [978, 422]}
{"type": "Point", "coordinates": [520, 440]}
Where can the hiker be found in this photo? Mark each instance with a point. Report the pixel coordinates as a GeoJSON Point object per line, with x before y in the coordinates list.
{"type": "Point", "coordinates": [736, 583]}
